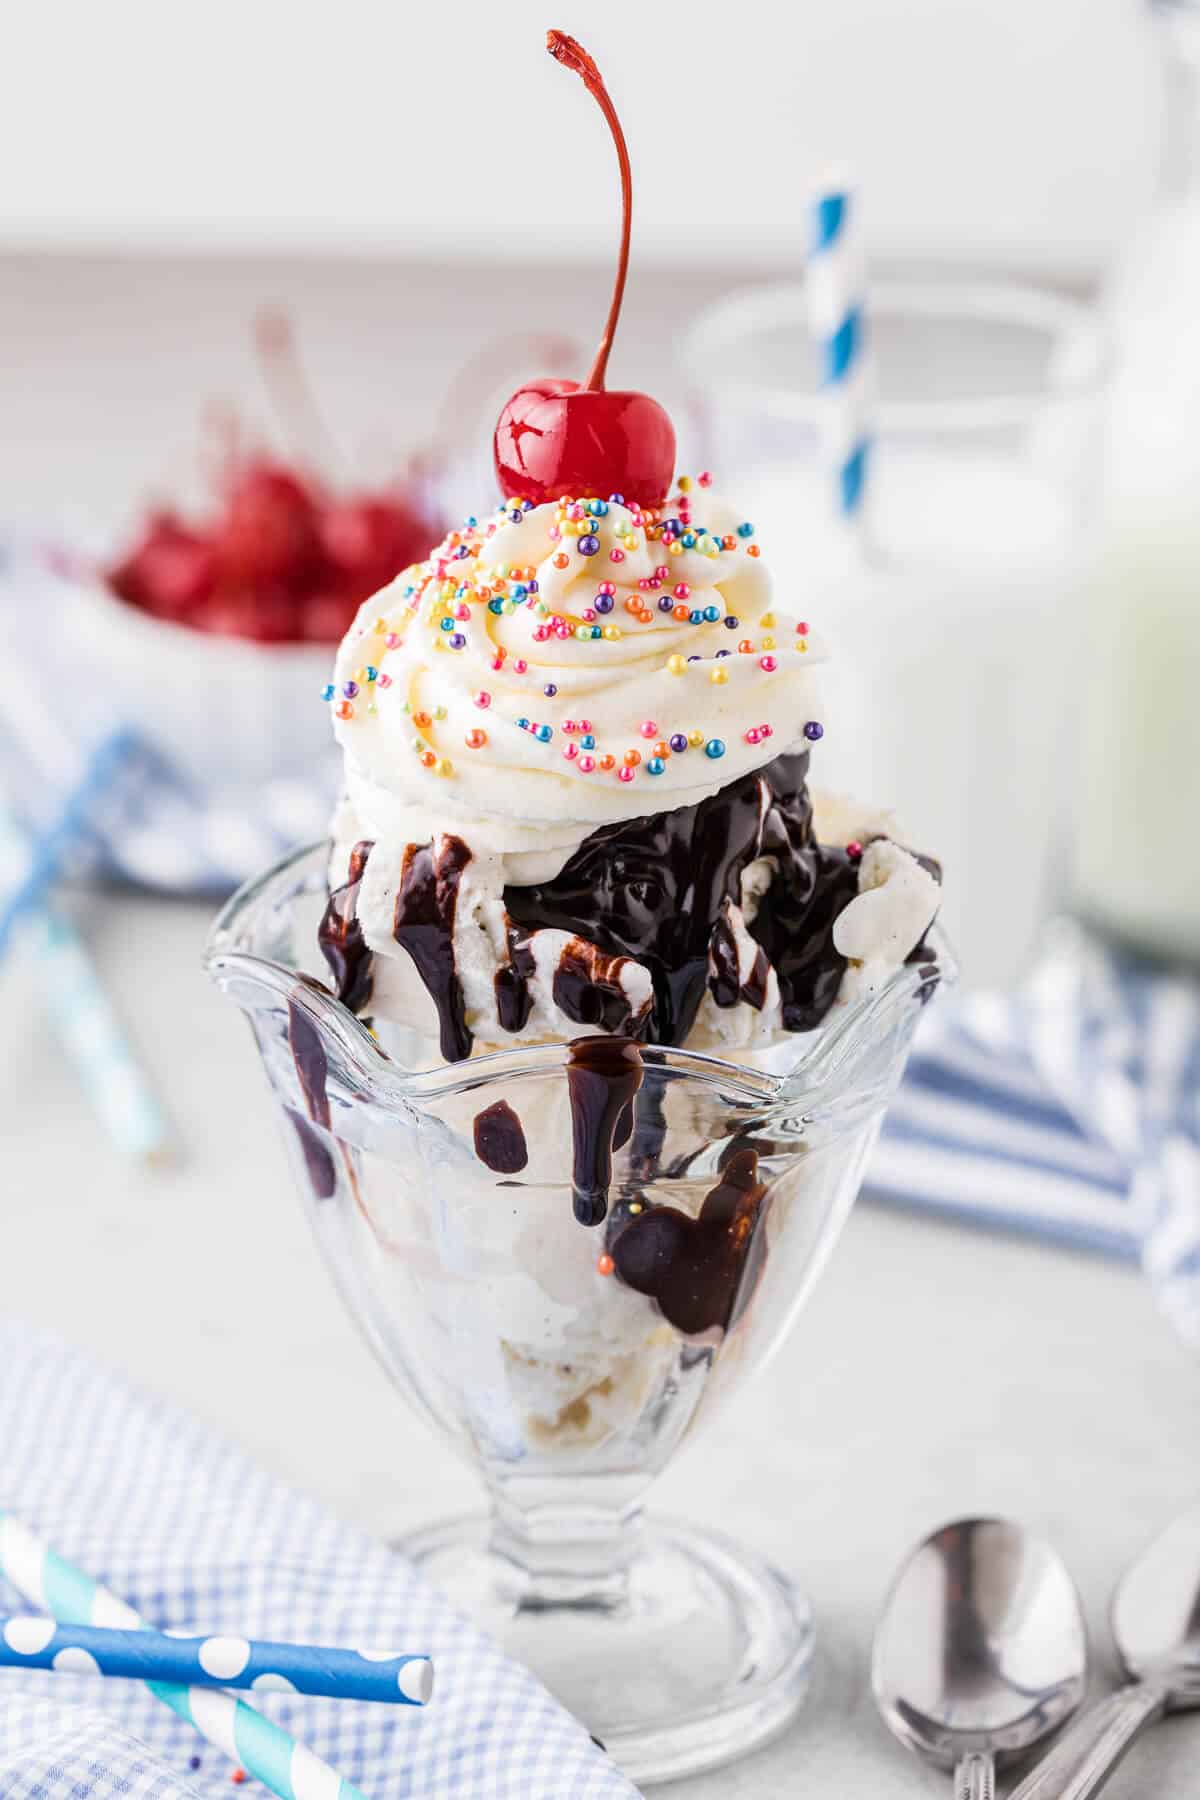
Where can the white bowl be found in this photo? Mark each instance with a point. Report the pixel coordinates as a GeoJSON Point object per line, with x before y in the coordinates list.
{"type": "Point", "coordinates": [224, 711]}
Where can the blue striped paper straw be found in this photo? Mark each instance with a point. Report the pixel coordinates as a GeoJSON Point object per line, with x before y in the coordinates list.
{"type": "Point", "coordinates": [48, 855]}
{"type": "Point", "coordinates": [33, 1642]}
{"type": "Point", "coordinates": [115, 1084]}
{"type": "Point", "coordinates": [263, 1749]}
{"type": "Point", "coordinates": [835, 288]}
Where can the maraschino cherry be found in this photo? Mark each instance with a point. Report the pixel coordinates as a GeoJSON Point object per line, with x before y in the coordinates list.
{"type": "Point", "coordinates": [558, 439]}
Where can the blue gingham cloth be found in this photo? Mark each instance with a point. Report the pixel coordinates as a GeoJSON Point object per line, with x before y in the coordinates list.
{"type": "Point", "coordinates": [1070, 1110]}
{"type": "Point", "coordinates": [196, 1537]}
{"type": "Point", "coordinates": [52, 1750]}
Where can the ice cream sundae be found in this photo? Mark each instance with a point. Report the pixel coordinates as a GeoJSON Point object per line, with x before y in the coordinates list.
{"type": "Point", "coordinates": [629, 1001]}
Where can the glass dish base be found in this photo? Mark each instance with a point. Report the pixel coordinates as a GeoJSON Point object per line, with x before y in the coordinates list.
{"type": "Point", "coordinates": [704, 1657]}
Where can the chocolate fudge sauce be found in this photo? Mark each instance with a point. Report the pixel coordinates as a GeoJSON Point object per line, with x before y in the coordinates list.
{"type": "Point", "coordinates": [657, 889]}
{"type": "Point", "coordinates": [514, 1002]}
{"type": "Point", "coordinates": [587, 988]}
{"type": "Point", "coordinates": [500, 1139]}
{"type": "Point", "coordinates": [423, 924]}
{"type": "Point", "coordinates": [603, 1075]}
{"type": "Point", "coordinates": [341, 939]}
{"type": "Point", "coordinates": [703, 1271]}
{"type": "Point", "coordinates": [308, 1054]}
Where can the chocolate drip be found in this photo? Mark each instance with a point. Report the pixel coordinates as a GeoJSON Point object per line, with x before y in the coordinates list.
{"type": "Point", "coordinates": [754, 988]}
{"type": "Point", "coordinates": [423, 924]}
{"type": "Point", "coordinates": [514, 1002]}
{"type": "Point", "coordinates": [794, 926]}
{"type": "Point", "coordinates": [703, 1271]}
{"type": "Point", "coordinates": [724, 979]}
{"type": "Point", "coordinates": [649, 1132]}
{"type": "Point", "coordinates": [500, 1139]}
{"type": "Point", "coordinates": [655, 889]}
{"type": "Point", "coordinates": [603, 1075]}
{"type": "Point", "coordinates": [341, 939]}
{"type": "Point", "coordinates": [312, 1069]}
{"type": "Point", "coordinates": [587, 987]}
{"type": "Point", "coordinates": [725, 983]}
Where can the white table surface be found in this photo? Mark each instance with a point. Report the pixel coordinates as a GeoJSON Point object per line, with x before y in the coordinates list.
{"type": "Point", "coordinates": [936, 1372]}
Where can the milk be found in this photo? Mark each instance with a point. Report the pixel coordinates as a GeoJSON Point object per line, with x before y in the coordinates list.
{"type": "Point", "coordinates": [1136, 857]}
{"type": "Point", "coordinates": [947, 685]}
{"type": "Point", "coordinates": [1137, 827]}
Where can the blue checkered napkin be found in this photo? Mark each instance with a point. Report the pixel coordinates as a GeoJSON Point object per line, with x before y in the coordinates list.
{"type": "Point", "coordinates": [1070, 1110]}
{"type": "Point", "coordinates": [49, 1750]}
{"type": "Point", "coordinates": [195, 1537]}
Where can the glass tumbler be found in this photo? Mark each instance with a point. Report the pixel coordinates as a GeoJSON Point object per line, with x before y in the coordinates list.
{"type": "Point", "coordinates": [568, 1362]}
{"type": "Point", "coordinates": [950, 611]}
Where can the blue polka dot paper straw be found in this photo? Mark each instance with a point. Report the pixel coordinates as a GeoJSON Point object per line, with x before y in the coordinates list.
{"type": "Point", "coordinates": [263, 1749]}
{"type": "Point", "coordinates": [837, 312]}
{"type": "Point", "coordinates": [37, 1642]}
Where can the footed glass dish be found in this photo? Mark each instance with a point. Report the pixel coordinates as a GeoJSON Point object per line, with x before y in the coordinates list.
{"type": "Point", "coordinates": [569, 1360]}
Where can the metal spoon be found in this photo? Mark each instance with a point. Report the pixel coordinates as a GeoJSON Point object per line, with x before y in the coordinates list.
{"type": "Point", "coordinates": [981, 1650]}
{"type": "Point", "coordinates": [1155, 1616]}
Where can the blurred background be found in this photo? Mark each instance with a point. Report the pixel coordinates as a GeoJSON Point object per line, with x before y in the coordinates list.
{"type": "Point", "coordinates": [1023, 136]}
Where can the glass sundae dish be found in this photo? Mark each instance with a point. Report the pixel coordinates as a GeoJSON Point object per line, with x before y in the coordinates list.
{"type": "Point", "coordinates": [583, 1027]}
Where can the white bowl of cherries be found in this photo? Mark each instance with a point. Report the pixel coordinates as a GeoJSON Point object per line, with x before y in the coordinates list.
{"type": "Point", "coordinates": [216, 635]}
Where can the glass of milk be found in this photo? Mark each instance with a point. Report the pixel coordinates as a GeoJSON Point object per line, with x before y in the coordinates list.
{"type": "Point", "coordinates": [947, 611]}
{"type": "Point", "coordinates": [1136, 843]}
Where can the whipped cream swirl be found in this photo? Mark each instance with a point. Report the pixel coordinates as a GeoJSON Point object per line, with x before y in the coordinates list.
{"type": "Point", "coordinates": [555, 668]}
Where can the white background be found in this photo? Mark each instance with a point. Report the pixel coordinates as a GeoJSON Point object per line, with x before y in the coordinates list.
{"type": "Point", "coordinates": [1017, 131]}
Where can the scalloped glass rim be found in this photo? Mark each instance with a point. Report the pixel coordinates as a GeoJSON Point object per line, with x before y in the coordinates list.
{"type": "Point", "coordinates": [385, 1082]}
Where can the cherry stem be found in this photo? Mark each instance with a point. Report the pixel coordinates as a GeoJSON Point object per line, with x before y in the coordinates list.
{"type": "Point", "coordinates": [286, 383]}
{"type": "Point", "coordinates": [565, 50]}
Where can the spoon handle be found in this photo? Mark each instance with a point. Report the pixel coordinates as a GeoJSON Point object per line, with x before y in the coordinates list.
{"type": "Point", "coordinates": [1086, 1755]}
{"type": "Point", "coordinates": [975, 1777]}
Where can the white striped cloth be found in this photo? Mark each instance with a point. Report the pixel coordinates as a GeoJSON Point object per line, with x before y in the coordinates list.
{"type": "Point", "coordinates": [1070, 1110]}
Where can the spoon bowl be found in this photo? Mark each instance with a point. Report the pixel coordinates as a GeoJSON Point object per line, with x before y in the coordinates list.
{"type": "Point", "coordinates": [1155, 1613]}
{"type": "Point", "coordinates": [981, 1651]}
{"type": "Point", "coordinates": [1155, 1618]}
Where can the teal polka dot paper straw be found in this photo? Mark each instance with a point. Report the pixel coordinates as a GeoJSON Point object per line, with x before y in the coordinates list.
{"type": "Point", "coordinates": [836, 289]}
{"type": "Point", "coordinates": [38, 1642]}
{"type": "Point", "coordinates": [263, 1749]}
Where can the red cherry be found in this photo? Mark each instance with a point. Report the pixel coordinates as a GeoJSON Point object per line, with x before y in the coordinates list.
{"type": "Point", "coordinates": [170, 573]}
{"type": "Point", "coordinates": [557, 438]}
{"type": "Point", "coordinates": [325, 618]}
{"type": "Point", "coordinates": [268, 616]}
{"type": "Point", "coordinates": [369, 540]}
{"type": "Point", "coordinates": [270, 530]}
